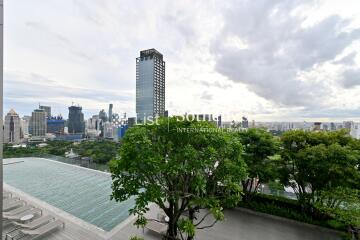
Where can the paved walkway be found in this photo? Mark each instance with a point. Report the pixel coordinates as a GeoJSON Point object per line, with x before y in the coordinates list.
{"type": "Point", "coordinates": [239, 224]}
{"type": "Point", "coordinates": [247, 225]}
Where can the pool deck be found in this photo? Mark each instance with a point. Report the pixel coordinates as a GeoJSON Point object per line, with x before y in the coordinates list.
{"type": "Point", "coordinates": [239, 224]}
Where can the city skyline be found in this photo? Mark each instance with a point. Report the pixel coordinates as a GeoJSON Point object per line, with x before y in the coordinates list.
{"type": "Point", "coordinates": [301, 64]}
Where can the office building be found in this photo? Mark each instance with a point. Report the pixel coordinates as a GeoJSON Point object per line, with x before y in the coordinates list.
{"type": "Point", "coordinates": [37, 125]}
{"type": "Point", "coordinates": [103, 116]}
{"type": "Point", "coordinates": [47, 110]}
{"type": "Point", "coordinates": [317, 126]}
{"type": "Point", "coordinates": [150, 85]}
{"type": "Point", "coordinates": [110, 112]}
{"type": "Point", "coordinates": [24, 123]}
{"type": "Point", "coordinates": [245, 122]}
{"type": "Point", "coordinates": [76, 123]}
{"type": "Point", "coordinates": [348, 124]}
{"type": "Point", "coordinates": [55, 125]}
{"type": "Point", "coordinates": [12, 127]}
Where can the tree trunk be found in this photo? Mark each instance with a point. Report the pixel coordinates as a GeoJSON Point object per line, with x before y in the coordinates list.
{"type": "Point", "coordinates": [191, 217]}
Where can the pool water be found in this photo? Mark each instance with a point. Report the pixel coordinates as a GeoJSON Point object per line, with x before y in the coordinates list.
{"type": "Point", "coordinates": [81, 192]}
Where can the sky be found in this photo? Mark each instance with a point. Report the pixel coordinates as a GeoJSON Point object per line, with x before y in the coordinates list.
{"type": "Point", "coordinates": [278, 60]}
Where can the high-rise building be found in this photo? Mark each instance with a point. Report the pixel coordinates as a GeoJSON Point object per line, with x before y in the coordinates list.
{"type": "Point", "coordinates": [103, 116]}
{"type": "Point", "coordinates": [55, 125]}
{"type": "Point", "coordinates": [150, 85]}
{"type": "Point", "coordinates": [37, 125]}
{"type": "Point", "coordinates": [245, 122]}
{"type": "Point", "coordinates": [317, 126]}
{"type": "Point", "coordinates": [110, 112]}
{"type": "Point", "coordinates": [24, 123]}
{"type": "Point", "coordinates": [348, 124]}
{"type": "Point", "coordinates": [12, 127]}
{"type": "Point", "coordinates": [332, 126]}
{"type": "Point", "coordinates": [47, 110]}
{"type": "Point", "coordinates": [76, 123]}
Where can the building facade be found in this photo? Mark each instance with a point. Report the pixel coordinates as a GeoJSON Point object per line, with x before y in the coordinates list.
{"type": "Point", "coordinates": [76, 123]}
{"type": "Point", "coordinates": [110, 112]}
{"type": "Point", "coordinates": [55, 125]}
{"type": "Point", "coordinates": [47, 110]}
{"type": "Point", "coordinates": [12, 127]}
{"type": "Point", "coordinates": [150, 85]}
{"type": "Point", "coordinates": [24, 123]}
{"type": "Point", "coordinates": [37, 124]}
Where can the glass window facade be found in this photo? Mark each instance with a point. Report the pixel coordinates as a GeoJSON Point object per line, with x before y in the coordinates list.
{"type": "Point", "coordinates": [150, 84]}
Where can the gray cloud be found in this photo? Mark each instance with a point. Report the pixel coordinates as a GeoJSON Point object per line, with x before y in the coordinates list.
{"type": "Point", "coordinates": [347, 60]}
{"type": "Point", "coordinates": [206, 96]}
{"type": "Point", "coordinates": [278, 49]}
{"type": "Point", "coordinates": [69, 45]}
{"type": "Point", "coordinates": [214, 84]}
{"type": "Point", "coordinates": [351, 78]}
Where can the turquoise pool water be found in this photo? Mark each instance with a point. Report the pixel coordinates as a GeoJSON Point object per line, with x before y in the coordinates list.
{"type": "Point", "coordinates": [79, 191]}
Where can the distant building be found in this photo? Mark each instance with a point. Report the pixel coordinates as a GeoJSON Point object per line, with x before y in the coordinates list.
{"type": "Point", "coordinates": [317, 126]}
{"type": "Point", "coordinates": [94, 122]}
{"type": "Point", "coordinates": [109, 130]}
{"type": "Point", "coordinates": [76, 123]}
{"type": "Point", "coordinates": [355, 131]}
{"type": "Point", "coordinates": [55, 125]}
{"type": "Point", "coordinates": [37, 125]}
{"type": "Point", "coordinates": [12, 127]}
{"type": "Point", "coordinates": [110, 112]}
{"type": "Point", "coordinates": [348, 124]}
{"type": "Point", "coordinates": [131, 121]}
{"type": "Point", "coordinates": [245, 122]}
{"type": "Point", "coordinates": [218, 120]}
{"type": "Point", "coordinates": [332, 126]}
{"type": "Point", "coordinates": [103, 116]}
{"type": "Point", "coordinates": [24, 123]}
{"type": "Point", "coordinates": [47, 110]}
{"type": "Point", "coordinates": [150, 85]}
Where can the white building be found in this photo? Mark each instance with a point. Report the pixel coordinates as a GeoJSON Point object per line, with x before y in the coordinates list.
{"type": "Point", "coordinates": [12, 127]}
{"type": "Point", "coordinates": [355, 131]}
{"type": "Point", "coordinates": [24, 123]}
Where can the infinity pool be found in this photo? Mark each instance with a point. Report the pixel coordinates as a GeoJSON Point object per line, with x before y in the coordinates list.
{"type": "Point", "coordinates": [81, 192]}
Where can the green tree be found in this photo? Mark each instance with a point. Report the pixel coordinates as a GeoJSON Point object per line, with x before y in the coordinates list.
{"type": "Point", "coordinates": [181, 166]}
{"type": "Point", "coordinates": [317, 161]}
{"type": "Point", "coordinates": [343, 204]}
{"type": "Point", "coordinates": [259, 150]}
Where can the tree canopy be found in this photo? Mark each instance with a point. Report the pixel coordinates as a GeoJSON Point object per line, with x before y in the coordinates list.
{"type": "Point", "coordinates": [259, 149]}
{"type": "Point", "coordinates": [318, 161]}
{"type": "Point", "coordinates": [183, 167]}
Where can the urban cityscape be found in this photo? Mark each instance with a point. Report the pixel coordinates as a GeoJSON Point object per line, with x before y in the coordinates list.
{"type": "Point", "coordinates": [243, 125]}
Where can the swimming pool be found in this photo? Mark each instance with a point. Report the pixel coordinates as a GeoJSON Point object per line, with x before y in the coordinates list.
{"type": "Point", "coordinates": [81, 192]}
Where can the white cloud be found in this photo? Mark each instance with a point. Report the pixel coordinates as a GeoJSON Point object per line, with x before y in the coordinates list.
{"type": "Point", "coordinates": [267, 59]}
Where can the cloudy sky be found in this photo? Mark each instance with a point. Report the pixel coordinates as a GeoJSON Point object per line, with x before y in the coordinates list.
{"type": "Point", "coordinates": [278, 60]}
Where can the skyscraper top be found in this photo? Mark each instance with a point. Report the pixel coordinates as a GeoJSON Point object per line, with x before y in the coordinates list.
{"type": "Point", "coordinates": [151, 53]}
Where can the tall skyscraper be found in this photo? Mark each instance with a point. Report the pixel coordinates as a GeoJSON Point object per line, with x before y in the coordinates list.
{"type": "Point", "coordinates": [245, 122]}
{"type": "Point", "coordinates": [12, 127]}
{"type": "Point", "coordinates": [47, 110]}
{"type": "Point", "coordinates": [150, 85]}
{"type": "Point", "coordinates": [110, 112]}
{"type": "Point", "coordinates": [76, 123]}
{"type": "Point", "coordinates": [37, 125]}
